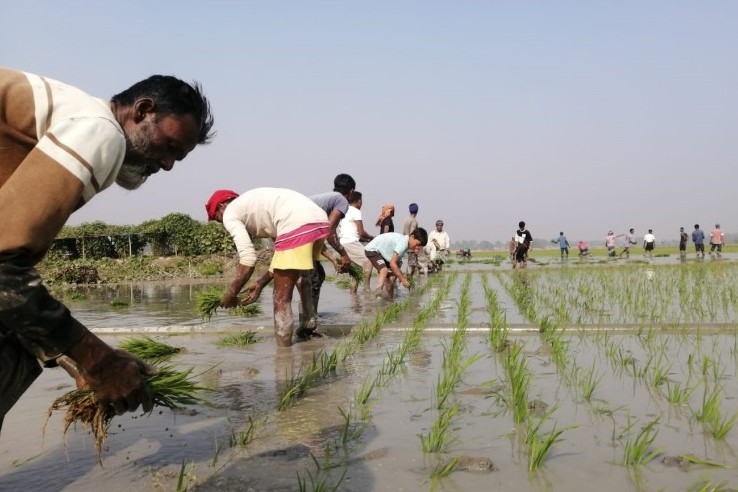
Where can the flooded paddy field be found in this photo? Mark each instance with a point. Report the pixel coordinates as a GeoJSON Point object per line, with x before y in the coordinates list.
{"type": "Point", "coordinates": [481, 378]}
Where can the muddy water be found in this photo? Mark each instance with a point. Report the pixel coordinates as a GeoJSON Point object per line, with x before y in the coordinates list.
{"type": "Point", "coordinates": [147, 452]}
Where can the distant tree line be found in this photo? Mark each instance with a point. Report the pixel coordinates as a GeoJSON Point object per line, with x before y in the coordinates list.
{"type": "Point", "coordinates": [173, 235]}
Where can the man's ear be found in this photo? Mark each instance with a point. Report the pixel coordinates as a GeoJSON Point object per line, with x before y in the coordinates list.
{"type": "Point", "coordinates": [142, 107]}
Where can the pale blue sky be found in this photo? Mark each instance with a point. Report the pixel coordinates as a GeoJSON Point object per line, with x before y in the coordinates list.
{"type": "Point", "coordinates": [575, 116]}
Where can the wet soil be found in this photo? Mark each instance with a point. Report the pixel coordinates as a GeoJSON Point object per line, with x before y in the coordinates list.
{"type": "Point", "coordinates": [314, 442]}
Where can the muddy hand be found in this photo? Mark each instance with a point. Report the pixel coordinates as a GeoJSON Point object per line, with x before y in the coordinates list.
{"type": "Point", "coordinates": [120, 380]}
{"type": "Point", "coordinates": [229, 300]}
{"type": "Point", "coordinates": [117, 377]}
{"type": "Point", "coordinates": [253, 292]}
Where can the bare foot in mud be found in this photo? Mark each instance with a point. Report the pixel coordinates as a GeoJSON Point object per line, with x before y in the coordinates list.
{"type": "Point", "coordinates": [304, 334]}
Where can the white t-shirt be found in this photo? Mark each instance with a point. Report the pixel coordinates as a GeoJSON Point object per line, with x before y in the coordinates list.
{"type": "Point", "coordinates": [267, 213]}
{"type": "Point", "coordinates": [347, 231]}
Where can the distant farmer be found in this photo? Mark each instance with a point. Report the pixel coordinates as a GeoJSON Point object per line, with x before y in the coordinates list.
{"type": "Point", "coordinates": [384, 221]}
{"type": "Point", "coordinates": [59, 147]}
{"type": "Point", "coordinates": [298, 227]}
{"type": "Point", "coordinates": [698, 238]}
{"type": "Point", "coordinates": [583, 248]}
{"type": "Point", "coordinates": [683, 239]}
{"type": "Point", "coordinates": [410, 224]}
{"type": "Point", "coordinates": [438, 245]}
{"type": "Point", "coordinates": [512, 247]}
{"type": "Point", "coordinates": [717, 239]}
{"type": "Point", "coordinates": [351, 233]}
{"type": "Point", "coordinates": [649, 243]}
{"type": "Point", "coordinates": [610, 244]}
{"type": "Point", "coordinates": [628, 241]}
{"type": "Point", "coordinates": [563, 244]}
{"type": "Point", "coordinates": [524, 241]}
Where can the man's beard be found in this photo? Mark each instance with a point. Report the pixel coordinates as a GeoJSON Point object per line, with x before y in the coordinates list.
{"type": "Point", "coordinates": [134, 171]}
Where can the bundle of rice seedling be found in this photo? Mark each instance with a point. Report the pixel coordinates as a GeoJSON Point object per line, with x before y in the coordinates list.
{"type": "Point", "coordinates": [239, 340]}
{"type": "Point", "coordinates": [246, 311]}
{"type": "Point", "coordinates": [207, 302]}
{"type": "Point", "coordinates": [355, 272]}
{"type": "Point", "coordinates": [169, 388]}
{"type": "Point", "coordinates": [149, 349]}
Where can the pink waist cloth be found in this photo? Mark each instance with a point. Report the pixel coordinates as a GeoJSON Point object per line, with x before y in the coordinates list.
{"type": "Point", "coordinates": [309, 233]}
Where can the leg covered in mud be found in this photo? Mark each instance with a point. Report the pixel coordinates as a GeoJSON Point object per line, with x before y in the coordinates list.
{"type": "Point", "coordinates": [284, 283]}
{"type": "Point", "coordinates": [317, 276]}
{"type": "Point", "coordinates": [308, 314]}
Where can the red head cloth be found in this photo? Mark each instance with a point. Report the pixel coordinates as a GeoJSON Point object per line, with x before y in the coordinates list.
{"type": "Point", "coordinates": [218, 197]}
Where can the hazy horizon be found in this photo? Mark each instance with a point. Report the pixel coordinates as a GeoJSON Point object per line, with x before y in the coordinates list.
{"type": "Point", "coordinates": [573, 116]}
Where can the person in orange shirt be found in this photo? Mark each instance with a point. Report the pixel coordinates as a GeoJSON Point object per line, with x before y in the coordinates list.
{"type": "Point", "coordinates": [717, 239]}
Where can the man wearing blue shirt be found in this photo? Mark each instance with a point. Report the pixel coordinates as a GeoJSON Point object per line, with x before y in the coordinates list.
{"type": "Point", "coordinates": [385, 251]}
{"type": "Point", "coordinates": [698, 238]}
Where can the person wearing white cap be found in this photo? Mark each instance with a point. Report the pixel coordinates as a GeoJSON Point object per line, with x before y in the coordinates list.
{"type": "Point", "coordinates": [438, 244]}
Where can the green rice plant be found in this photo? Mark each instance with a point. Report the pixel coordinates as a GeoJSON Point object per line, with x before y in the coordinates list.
{"type": "Point", "coordinates": [720, 426]}
{"type": "Point", "coordinates": [539, 445]}
{"type": "Point", "coordinates": [328, 363]}
{"type": "Point", "coordinates": [149, 349]}
{"type": "Point", "coordinates": [559, 348]}
{"type": "Point", "coordinates": [705, 485]}
{"type": "Point", "coordinates": [168, 388]}
{"type": "Point", "coordinates": [319, 482]}
{"type": "Point", "coordinates": [437, 438]}
{"type": "Point", "coordinates": [346, 427]}
{"type": "Point", "coordinates": [710, 409]}
{"type": "Point", "coordinates": [659, 376]}
{"type": "Point", "coordinates": [362, 397]}
{"type": "Point", "coordinates": [185, 476]}
{"type": "Point", "coordinates": [677, 394]}
{"type": "Point", "coordinates": [207, 301]}
{"type": "Point", "coordinates": [214, 461]}
{"type": "Point", "coordinates": [291, 391]}
{"type": "Point", "coordinates": [517, 373]}
{"type": "Point", "coordinates": [639, 451]}
{"type": "Point", "coordinates": [120, 303]}
{"type": "Point", "coordinates": [589, 382]}
{"type": "Point", "coordinates": [444, 469]}
{"type": "Point", "coordinates": [241, 339]}
{"type": "Point", "coordinates": [244, 437]}
{"type": "Point", "coordinates": [355, 272]}
{"type": "Point", "coordinates": [689, 458]}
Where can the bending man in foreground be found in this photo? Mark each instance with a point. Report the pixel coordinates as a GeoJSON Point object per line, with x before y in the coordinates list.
{"type": "Point", "coordinates": [59, 147]}
{"type": "Point", "coordinates": [298, 227]}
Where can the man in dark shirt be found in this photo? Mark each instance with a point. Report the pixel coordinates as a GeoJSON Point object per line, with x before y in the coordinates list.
{"type": "Point", "coordinates": [683, 238]}
{"type": "Point", "coordinates": [525, 240]}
